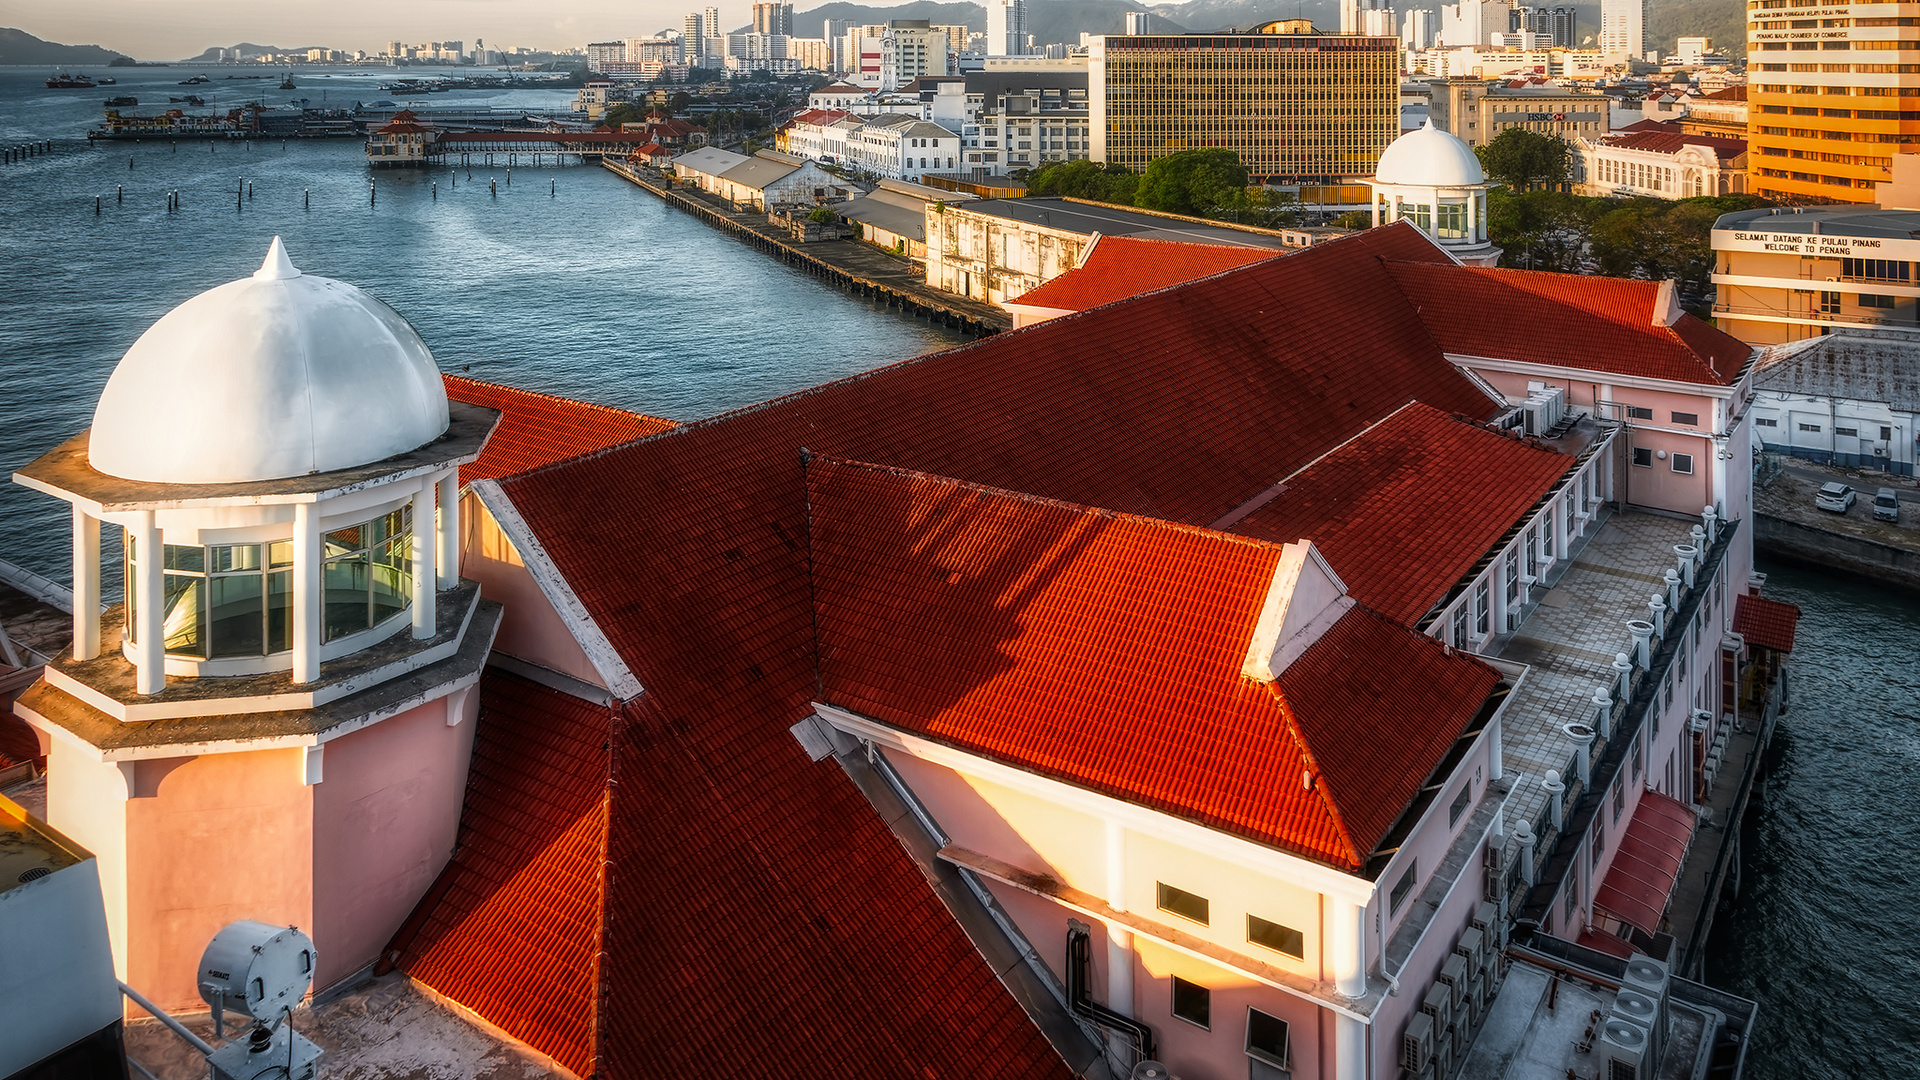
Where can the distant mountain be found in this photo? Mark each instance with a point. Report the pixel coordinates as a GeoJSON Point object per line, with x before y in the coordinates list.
{"type": "Point", "coordinates": [1725, 21]}
{"type": "Point", "coordinates": [1206, 15]}
{"type": "Point", "coordinates": [247, 50]}
{"type": "Point", "coordinates": [20, 47]}
{"type": "Point", "coordinates": [1047, 20]}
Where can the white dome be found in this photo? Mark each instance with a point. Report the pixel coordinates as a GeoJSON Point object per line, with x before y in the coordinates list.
{"type": "Point", "coordinates": [278, 375]}
{"type": "Point", "coordinates": [1429, 157]}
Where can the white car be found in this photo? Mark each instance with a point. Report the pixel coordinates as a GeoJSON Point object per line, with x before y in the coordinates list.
{"type": "Point", "coordinates": [1835, 497]}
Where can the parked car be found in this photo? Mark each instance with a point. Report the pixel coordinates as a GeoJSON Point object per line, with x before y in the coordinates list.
{"type": "Point", "coordinates": [1886, 505]}
{"type": "Point", "coordinates": [1836, 497]}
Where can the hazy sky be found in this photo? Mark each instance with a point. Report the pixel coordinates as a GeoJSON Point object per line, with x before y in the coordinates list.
{"type": "Point", "coordinates": [159, 30]}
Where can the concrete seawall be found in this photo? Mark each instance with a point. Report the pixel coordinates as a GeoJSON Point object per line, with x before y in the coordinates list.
{"type": "Point", "coordinates": [1821, 548]}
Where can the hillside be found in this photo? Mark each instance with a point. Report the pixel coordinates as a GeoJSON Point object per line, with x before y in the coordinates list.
{"type": "Point", "coordinates": [1047, 20]}
{"type": "Point", "coordinates": [20, 47]}
{"type": "Point", "coordinates": [247, 49]}
{"type": "Point", "coordinates": [1725, 21]}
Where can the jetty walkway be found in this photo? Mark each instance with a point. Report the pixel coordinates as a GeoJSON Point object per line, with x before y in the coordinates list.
{"type": "Point", "coordinates": [856, 267]}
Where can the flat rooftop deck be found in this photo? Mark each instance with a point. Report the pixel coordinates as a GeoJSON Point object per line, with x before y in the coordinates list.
{"type": "Point", "coordinates": [1570, 638]}
{"type": "Point", "coordinates": [1524, 1039]}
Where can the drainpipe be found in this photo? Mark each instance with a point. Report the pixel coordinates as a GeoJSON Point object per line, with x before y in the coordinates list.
{"type": "Point", "coordinates": [1079, 949]}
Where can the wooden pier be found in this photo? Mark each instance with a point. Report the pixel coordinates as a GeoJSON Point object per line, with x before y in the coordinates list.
{"type": "Point", "coordinates": [849, 265]}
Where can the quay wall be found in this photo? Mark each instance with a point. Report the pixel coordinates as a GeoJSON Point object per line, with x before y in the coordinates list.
{"type": "Point", "coordinates": [1793, 541]}
{"type": "Point", "coordinates": [927, 306]}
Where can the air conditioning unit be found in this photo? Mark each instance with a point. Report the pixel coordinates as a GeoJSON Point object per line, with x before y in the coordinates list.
{"type": "Point", "coordinates": [1879, 451]}
{"type": "Point", "coordinates": [1623, 1046]}
{"type": "Point", "coordinates": [1513, 621]}
{"type": "Point", "coordinates": [1482, 1001]}
{"type": "Point", "coordinates": [1453, 975]}
{"type": "Point", "coordinates": [1473, 946]}
{"type": "Point", "coordinates": [1438, 1004]}
{"type": "Point", "coordinates": [1496, 856]}
{"type": "Point", "coordinates": [1645, 975]}
{"type": "Point", "coordinates": [1416, 1045]}
{"type": "Point", "coordinates": [1637, 1008]}
{"type": "Point", "coordinates": [1488, 919]}
{"type": "Point", "coordinates": [1443, 1054]}
{"type": "Point", "coordinates": [1494, 886]}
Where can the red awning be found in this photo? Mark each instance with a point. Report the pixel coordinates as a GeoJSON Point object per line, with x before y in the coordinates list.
{"type": "Point", "coordinates": [1766, 623]}
{"type": "Point", "coordinates": [1647, 865]}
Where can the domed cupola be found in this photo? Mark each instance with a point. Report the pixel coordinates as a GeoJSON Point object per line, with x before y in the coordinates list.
{"type": "Point", "coordinates": [282, 458]}
{"type": "Point", "coordinates": [279, 375]}
{"type": "Point", "coordinates": [1434, 180]}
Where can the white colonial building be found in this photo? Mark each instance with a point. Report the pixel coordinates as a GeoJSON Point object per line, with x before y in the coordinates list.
{"type": "Point", "coordinates": [1661, 164]}
{"type": "Point", "coordinates": [1434, 180]}
{"type": "Point", "coordinates": [1848, 399]}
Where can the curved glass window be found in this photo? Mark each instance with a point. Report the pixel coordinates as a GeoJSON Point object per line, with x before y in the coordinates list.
{"type": "Point", "coordinates": [1453, 221]}
{"type": "Point", "coordinates": [236, 600]}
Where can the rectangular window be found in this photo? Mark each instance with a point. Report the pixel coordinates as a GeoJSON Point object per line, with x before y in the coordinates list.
{"type": "Point", "coordinates": [1402, 887]}
{"type": "Point", "coordinates": [1267, 1039]}
{"type": "Point", "coordinates": [1875, 301]}
{"type": "Point", "coordinates": [1620, 790]}
{"type": "Point", "coordinates": [1193, 1003]}
{"type": "Point", "coordinates": [1847, 431]}
{"type": "Point", "coordinates": [1643, 457]}
{"type": "Point", "coordinates": [1686, 418]}
{"type": "Point", "coordinates": [1810, 427]}
{"type": "Point", "coordinates": [1182, 903]}
{"type": "Point", "coordinates": [1482, 601]}
{"type": "Point", "coordinates": [1460, 625]}
{"type": "Point", "coordinates": [1281, 939]}
{"type": "Point", "coordinates": [1886, 433]}
{"type": "Point", "coordinates": [1459, 806]}
{"type": "Point", "coordinates": [1635, 412]}
{"type": "Point", "coordinates": [1573, 899]}
{"type": "Point", "coordinates": [1763, 421]}
{"type": "Point", "coordinates": [1683, 463]}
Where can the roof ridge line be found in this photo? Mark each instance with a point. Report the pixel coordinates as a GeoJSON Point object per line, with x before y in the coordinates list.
{"type": "Point", "coordinates": [1244, 510]}
{"type": "Point", "coordinates": [555, 397]}
{"type": "Point", "coordinates": [1317, 774]}
{"type": "Point", "coordinates": [1201, 531]}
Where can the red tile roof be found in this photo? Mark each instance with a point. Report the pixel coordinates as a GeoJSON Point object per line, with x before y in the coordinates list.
{"type": "Point", "coordinates": [1671, 142]}
{"type": "Point", "coordinates": [1767, 623]}
{"type": "Point", "coordinates": [539, 429]}
{"type": "Point", "coordinates": [1568, 320]}
{"type": "Point", "coordinates": [1404, 510]}
{"type": "Point", "coordinates": [18, 744]}
{"type": "Point", "coordinates": [1120, 267]}
{"type": "Point", "coordinates": [1736, 92]}
{"type": "Point", "coordinates": [512, 927]}
{"type": "Point", "coordinates": [1650, 125]}
{"type": "Point", "coordinates": [1106, 650]}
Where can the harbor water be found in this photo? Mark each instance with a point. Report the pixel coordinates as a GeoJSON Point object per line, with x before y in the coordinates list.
{"type": "Point", "coordinates": [592, 289]}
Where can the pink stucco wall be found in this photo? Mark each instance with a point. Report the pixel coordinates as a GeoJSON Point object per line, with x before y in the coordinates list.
{"type": "Point", "coordinates": [385, 815]}
{"type": "Point", "coordinates": [531, 629]}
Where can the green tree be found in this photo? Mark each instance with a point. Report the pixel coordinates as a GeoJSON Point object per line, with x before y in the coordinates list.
{"type": "Point", "coordinates": [1084, 179]}
{"type": "Point", "coordinates": [1523, 160]}
{"type": "Point", "coordinates": [1193, 182]}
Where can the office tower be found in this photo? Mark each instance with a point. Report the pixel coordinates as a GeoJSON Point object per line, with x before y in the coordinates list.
{"type": "Point", "coordinates": [1006, 27]}
{"type": "Point", "coordinates": [713, 24]}
{"type": "Point", "coordinates": [1828, 132]}
{"type": "Point", "coordinates": [693, 38]}
{"type": "Point", "coordinates": [909, 49]}
{"type": "Point", "coordinates": [1139, 22]}
{"type": "Point", "coordinates": [1151, 95]}
{"type": "Point", "coordinates": [1416, 28]}
{"type": "Point", "coordinates": [1623, 27]}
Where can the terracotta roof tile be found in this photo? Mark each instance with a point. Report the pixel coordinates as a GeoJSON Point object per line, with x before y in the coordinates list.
{"type": "Point", "coordinates": [1571, 320]}
{"type": "Point", "coordinates": [1106, 650]}
{"type": "Point", "coordinates": [1120, 267]}
{"type": "Point", "coordinates": [1767, 623]}
{"type": "Point", "coordinates": [539, 429]}
{"type": "Point", "coordinates": [1670, 142]}
{"type": "Point", "coordinates": [1404, 510]}
{"type": "Point", "coordinates": [512, 928]}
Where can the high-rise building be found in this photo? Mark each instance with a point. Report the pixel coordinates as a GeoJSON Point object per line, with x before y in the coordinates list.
{"type": "Point", "coordinates": [1623, 27]}
{"type": "Point", "coordinates": [1474, 22]}
{"type": "Point", "coordinates": [1139, 22]}
{"type": "Point", "coordinates": [1827, 132]}
{"type": "Point", "coordinates": [1378, 22]}
{"type": "Point", "coordinates": [1152, 95]}
{"type": "Point", "coordinates": [1558, 25]}
{"type": "Point", "coordinates": [957, 37]}
{"type": "Point", "coordinates": [1006, 27]}
{"type": "Point", "coordinates": [773, 18]}
{"type": "Point", "coordinates": [909, 49]}
{"type": "Point", "coordinates": [693, 39]}
{"type": "Point", "coordinates": [1416, 28]}
{"type": "Point", "coordinates": [713, 24]}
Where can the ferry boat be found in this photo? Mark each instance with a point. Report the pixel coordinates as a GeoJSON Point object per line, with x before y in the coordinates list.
{"type": "Point", "coordinates": [63, 81]}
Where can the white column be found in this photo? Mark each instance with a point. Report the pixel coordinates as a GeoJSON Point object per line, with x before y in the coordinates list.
{"type": "Point", "coordinates": [307, 595]}
{"type": "Point", "coordinates": [86, 585]}
{"type": "Point", "coordinates": [1119, 936]}
{"type": "Point", "coordinates": [446, 533]}
{"type": "Point", "coordinates": [1347, 945]}
{"type": "Point", "coordinates": [150, 654]}
{"type": "Point", "coordinates": [1349, 1048]}
{"type": "Point", "coordinates": [423, 549]}
{"type": "Point", "coordinates": [1496, 765]}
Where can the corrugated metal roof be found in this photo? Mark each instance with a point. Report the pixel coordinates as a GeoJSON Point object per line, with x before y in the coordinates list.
{"type": "Point", "coordinates": [1850, 367]}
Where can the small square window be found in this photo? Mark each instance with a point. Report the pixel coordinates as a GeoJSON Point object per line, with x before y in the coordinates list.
{"type": "Point", "coordinates": [1402, 887]}
{"type": "Point", "coordinates": [1182, 903]}
{"type": "Point", "coordinates": [1886, 433]}
{"type": "Point", "coordinates": [1682, 463]}
{"type": "Point", "coordinates": [1635, 412]}
{"type": "Point", "coordinates": [1192, 1003]}
{"type": "Point", "coordinates": [1267, 1039]}
{"type": "Point", "coordinates": [1686, 418]}
{"type": "Point", "coordinates": [1459, 806]}
{"type": "Point", "coordinates": [1643, 457]}
{"type": "Point", "coordinates": [1281, 939]}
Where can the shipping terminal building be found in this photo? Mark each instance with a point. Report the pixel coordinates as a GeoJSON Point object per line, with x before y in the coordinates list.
{"type": "Point", "coordinates": [1320, 669]}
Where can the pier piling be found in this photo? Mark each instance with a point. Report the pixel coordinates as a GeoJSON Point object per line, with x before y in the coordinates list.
{"type": "Point", "coordinates": [553, 188]}
{"type": "Point", "coordinates": [119, 194]}
{"type": "Point", "coordinates": [371, 188]}
{"type": "Point", "coordinates": [436, 192]}
{"type": "Point", "coordinates": [494, 187]}
{"type": "Point", "coordinates": [96, 206]}
{"type": "Point", "coordinates": [306, 198]}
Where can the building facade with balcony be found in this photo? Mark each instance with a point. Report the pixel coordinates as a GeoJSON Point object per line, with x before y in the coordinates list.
{"type": "Point", "coordinates": [1782, 275]}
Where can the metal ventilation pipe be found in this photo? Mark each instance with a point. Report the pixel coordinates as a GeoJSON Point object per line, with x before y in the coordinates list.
{"type": "Point", "coordinates": [1687, 555]}
{"type": "Point", "coordinates": [1622, 675]}
{"type": "Point", "coordinates": [1642, 632]}
{"type": "Point", "coordinates": [1673, 589]}
{"type": "Point", "coordinates": [1555, 792]}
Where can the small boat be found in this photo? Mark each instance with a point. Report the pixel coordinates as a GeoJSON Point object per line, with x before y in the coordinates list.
{"type": "Point", "coordinates": [287, 83]}
{"type": "Point", "coordinates": [121, 102]}
{"type": "Point", "coordinates": [188, 100]}
{"type": "Point", "coordinates": [106, 80]}
{"type": "Point", "coordinates": [64, 81]}
{"type": "Point", "coordinates": [195, 81]}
